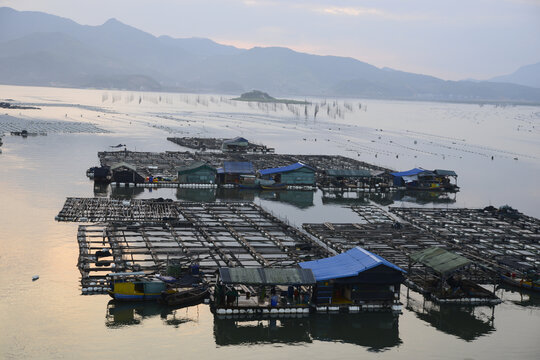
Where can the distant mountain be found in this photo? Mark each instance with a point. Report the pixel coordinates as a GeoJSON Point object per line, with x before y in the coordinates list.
{"type": "Point", "coordinates": [528, 75]}
{"type": "Point", "coordinates": [42, 49]}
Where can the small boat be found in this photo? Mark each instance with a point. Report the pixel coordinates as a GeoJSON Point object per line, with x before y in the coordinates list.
{"type": "Point", "coordinates": [271, 185]}
{"type": "Point", "coordinates": [136, 286]}
{"type": "Point", "coordinates": [275, 186]}
{"type": "Point", "coordinates": [100, 175]}
{"type": "Point", "coordinates": [186, 297]}
{"type": "Point", "coordinates": [525, 283]}
{"type": "Point", "coordinates": [248, 182]}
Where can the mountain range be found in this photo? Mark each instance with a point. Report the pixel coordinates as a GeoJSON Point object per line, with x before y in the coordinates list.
{"type": "Point", "coordinates": [47, 50]}
{"type": "Point", "coordinates": [528, 75]}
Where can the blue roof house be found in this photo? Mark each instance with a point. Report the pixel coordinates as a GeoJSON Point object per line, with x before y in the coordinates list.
{"type": "Point", "coordinates": [294, 174]}
{"type": "Point", "coordinates": [355, 277]}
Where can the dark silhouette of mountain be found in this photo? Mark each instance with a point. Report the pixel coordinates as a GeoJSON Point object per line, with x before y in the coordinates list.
{"type": "Point", "coordinates": [528, 75]}
{"type": "Point", "coordinates": [43, 49]}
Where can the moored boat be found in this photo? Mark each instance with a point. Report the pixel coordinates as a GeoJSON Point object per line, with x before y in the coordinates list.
{"type": "Point", "coordinates": [186, 297]}
{"type": "Point", "coordinates": [521, 282]}
{"type": "Point", "coordinates": [136, 287]}
{"type": "Point", "coordinates": [280, 186]}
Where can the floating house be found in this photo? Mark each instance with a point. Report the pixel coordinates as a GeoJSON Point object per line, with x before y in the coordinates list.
{"type": "Point", "coordinates": [422, 179]}
{"type": "Point", "coordinates": [262, 290]}
{"type": "Point", "coordinates": [232, 171]}
{"type": "Point", "coordinates": [294, 174]}
{"type": "Point", "coordinates": [356, 277]}
{"type": "Point", "coordinates": [197, 173]}
{"type": "Point", "coordinates": [125, 173]}
{"type": "Point", "coordinates": [100, 175]}
{"type": "Point", "coordinates": [445, 176]}
{"type": "Point", "coordinates": [238, 144]}
{"type": "Point", "coordinates": [446, 281]}
{"type": "Point", "coordinates": [352, 178]}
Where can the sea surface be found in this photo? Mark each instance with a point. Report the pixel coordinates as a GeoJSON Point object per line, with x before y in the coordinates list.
{"type": "Point", "coordinates": [495, 149]}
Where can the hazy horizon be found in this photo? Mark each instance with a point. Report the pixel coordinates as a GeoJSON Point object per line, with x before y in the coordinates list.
{"type": "Point", "coordinates": [473, 40]}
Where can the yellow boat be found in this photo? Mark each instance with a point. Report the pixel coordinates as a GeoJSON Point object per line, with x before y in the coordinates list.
{"type": "Point", "coordinates": [525, 283]}
{"type": "Point", "coordinates": [136, 287]}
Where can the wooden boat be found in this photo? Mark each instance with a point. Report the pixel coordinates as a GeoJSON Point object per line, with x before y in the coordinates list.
{"type": "Point", "coordinates": [425, 185]}
{"type": "Point", "coordinates": [248, 182]}
{"type": "Point", "coordinates": [275, 186]}
{"type": "Point", "coordinates": [524, 283]}
{"type": "Point", "coordinates": [136, 287]}
{"type": "Point", "coordinates": [185, 297]}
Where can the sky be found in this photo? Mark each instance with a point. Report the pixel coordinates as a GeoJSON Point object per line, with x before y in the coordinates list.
{"type": "Point", "coordinates": [453, 40]}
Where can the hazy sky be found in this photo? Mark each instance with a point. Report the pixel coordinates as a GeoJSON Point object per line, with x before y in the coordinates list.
{"type": "Point", "coordinates": [452, 39]}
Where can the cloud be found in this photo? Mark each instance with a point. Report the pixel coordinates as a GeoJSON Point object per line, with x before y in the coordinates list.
{"type": "Point", "coordinates": [361, 11]}
{"type": "Point", "coordinates": [258, 2]}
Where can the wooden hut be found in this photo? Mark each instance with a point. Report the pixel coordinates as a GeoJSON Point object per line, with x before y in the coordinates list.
{"type": "Point", "coordinates": [445, 176]}
{"type": "Point", "coordinates": [446, 281]}
{"type": "Point", "coordinates": [238, 144]}
{"type": "Point", "coordinates": [125, 173]}
{"type": "Point", "coordinates": [232, 171]}
{"type": "Point", "coordinates": [347, 177]}
{"type": "Point", "coordinates": [355, 277]}
{"type": "Point", "coordinates": [294, 174]}
{"type": "Point", "coordinates": [197, 173]}
{"type": "Point", "coordinates": [258, 289]}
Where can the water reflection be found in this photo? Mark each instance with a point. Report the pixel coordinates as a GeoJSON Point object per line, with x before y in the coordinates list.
{"type": "Point", "coordinates": [124, 193]}
{"type": "Point", "coordinates": [519, 296]}
{"type": "Point", "coordinates": [297, 198]}
{"type": "Point", "coordinates": [375, 331]}
{"type": "Point", "coordinates": [345, 198]}
{"type": "Point", "coordinates": [424, 197]}
{"type": "Point", "coordinates": [466, 322]}
{"type": "Point", "coordinates": [389, 198]}
{"type": "Point", "coordinates": [126, 313]}
{"type": "Point", "coordinates": [196, 195]}
{"type": "Point", "coordinates": [301, 199]}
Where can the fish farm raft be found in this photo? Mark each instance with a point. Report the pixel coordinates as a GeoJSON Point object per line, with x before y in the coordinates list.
{"type": "Point", "coordinates": [435, 248]}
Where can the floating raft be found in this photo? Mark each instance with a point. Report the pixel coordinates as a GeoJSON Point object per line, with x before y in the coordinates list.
{"type": "Point", "coordinates": [216, 144]}
{"type": "Point", "coordinates": [393, 244]}
{"type": "Point", "coordinates": [373, 214]}
{"type": "Point", "coordinates": [510, 242]}
{"type": "Point", "coordinates": [105, 209]}
{"type": "Point", "coordinates": [166, 163]}
{"type": "Point", "coordinates": [214, 235]}
{"type": "Point", "coordinates": [495, 243]}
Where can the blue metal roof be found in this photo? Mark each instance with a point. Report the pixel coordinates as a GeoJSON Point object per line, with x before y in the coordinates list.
{"type": "Point", "coordinates": [347, 264]}
{"type": "Point", "coordinates": [414, 171]}
{"type": "Point", "coordinates": [283, 169]}
{"type": "Point", "coordinates": [237, 167]}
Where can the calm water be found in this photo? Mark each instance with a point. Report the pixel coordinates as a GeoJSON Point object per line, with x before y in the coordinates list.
{"type": "Point", "coordinates": [50, 319]}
